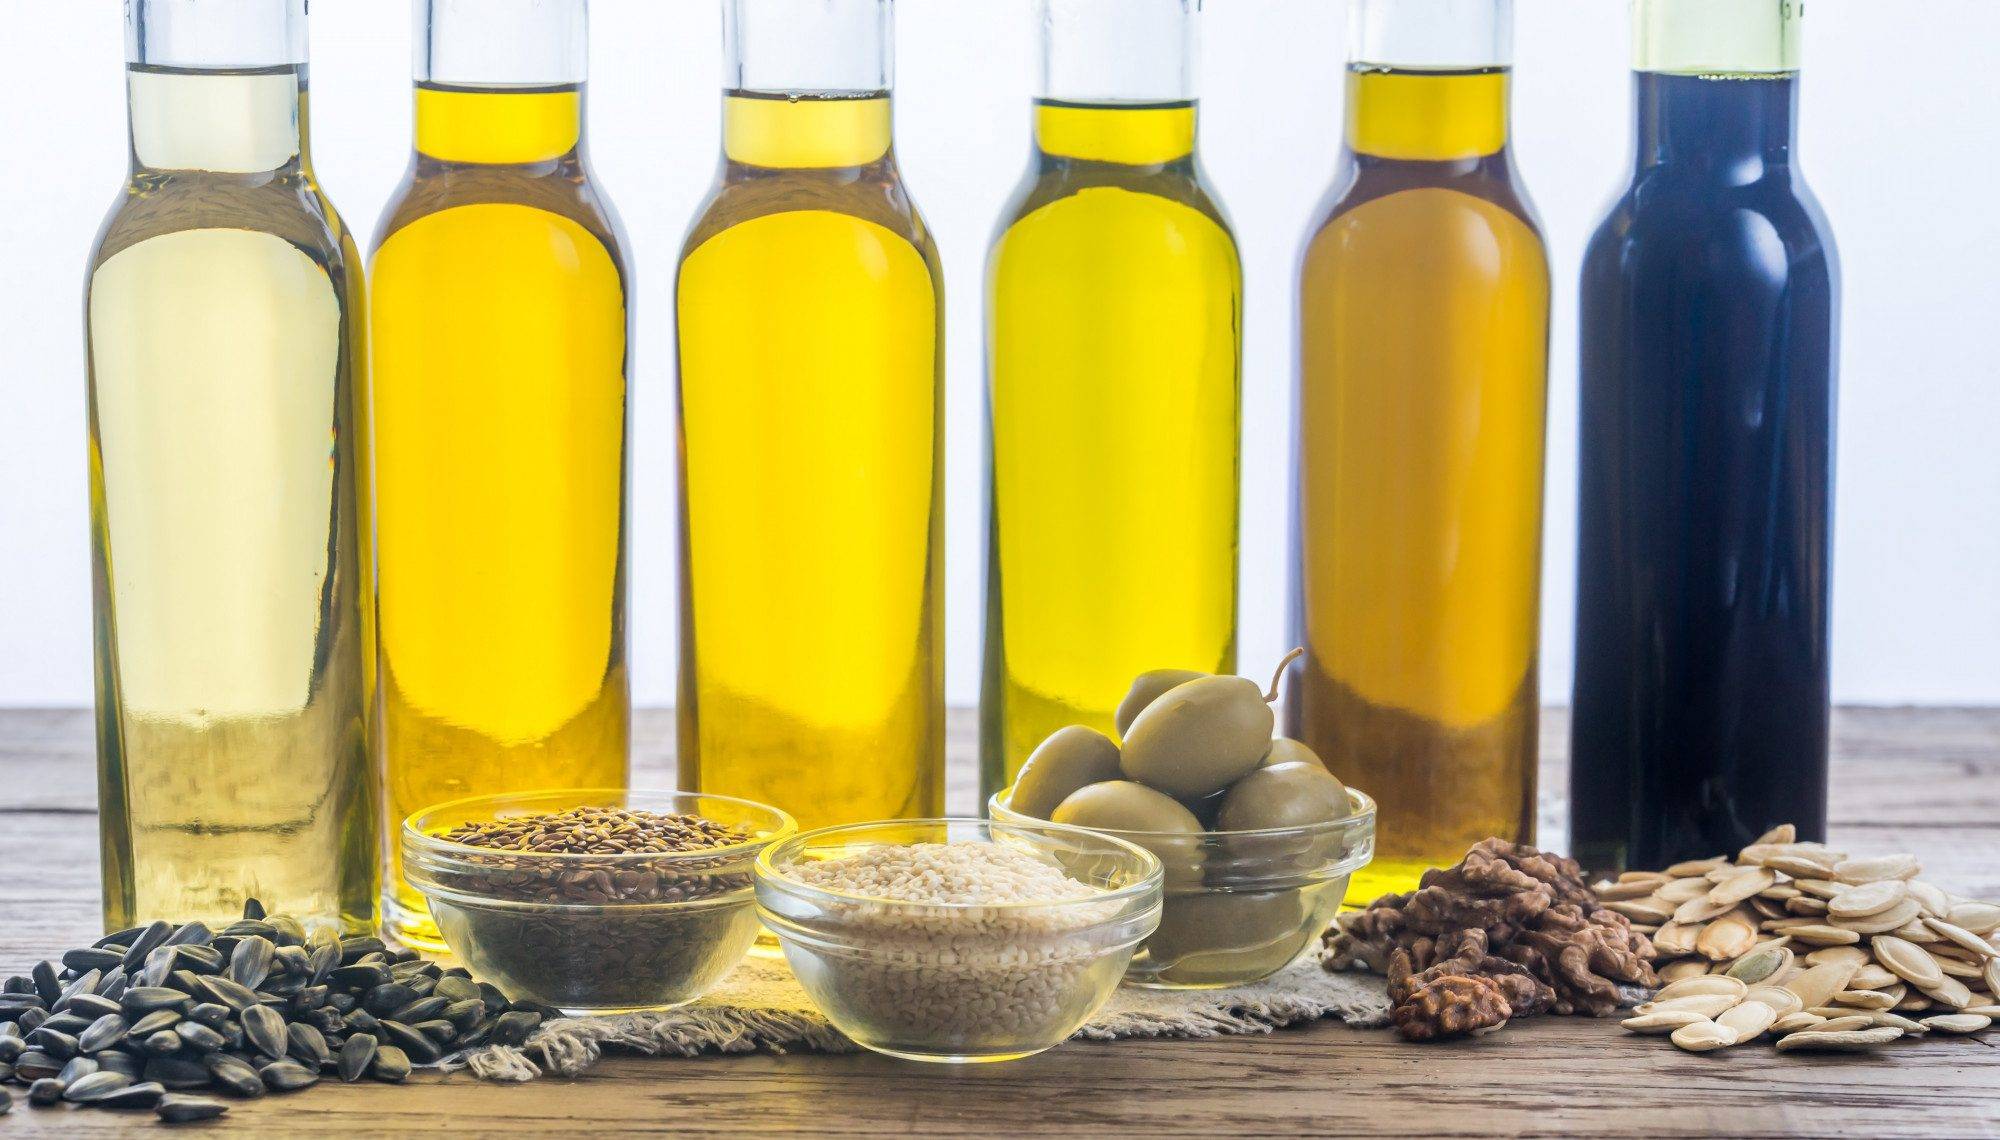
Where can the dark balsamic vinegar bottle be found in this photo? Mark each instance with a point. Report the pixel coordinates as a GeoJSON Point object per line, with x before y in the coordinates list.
{"type": "Point", "coordinates": [1709, 329]}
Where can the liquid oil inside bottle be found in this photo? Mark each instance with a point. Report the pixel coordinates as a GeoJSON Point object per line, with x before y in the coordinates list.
{"type": "Point", "coordinates": [1114, 322]}
{"type": "Point", "coordinates": [231, 682]}
{"type": "Point", "coordinates": [809, 308]}
{"type": "Point", "coordinates": [499, 335]}
{"type": "Point", "coordinates": [1424, 325]}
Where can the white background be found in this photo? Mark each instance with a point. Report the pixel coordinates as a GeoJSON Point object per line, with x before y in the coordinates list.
{"type": "Point", "coordinates": [1901, 140]}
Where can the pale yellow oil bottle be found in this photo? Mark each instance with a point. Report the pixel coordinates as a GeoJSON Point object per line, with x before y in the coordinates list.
{"type": "Point", "coordinates": [1114, 365]}
{"type": "Point", "coordinates": [810, 318]}
{"type": "Point", "coordinates": [500, 321]}
{"type": "Point", "coordinates": [224, 341]}
{"type": "Point", "coordinates": [1424, 311]}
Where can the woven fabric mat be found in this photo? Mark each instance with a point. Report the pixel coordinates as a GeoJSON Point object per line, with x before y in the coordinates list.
{"type": "Point", "coordinates": [762, 1007]}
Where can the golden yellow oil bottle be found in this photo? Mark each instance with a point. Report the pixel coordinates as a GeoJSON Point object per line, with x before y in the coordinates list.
{"type": "Point", "coordinates": [1423, 312]}
{"type": "Point", "coordinates": [810, 315]}
{"type": "Point", "coordinates": [500, 325]}
{"type": "Point", "coordinates": [224, 337]}
{"type": "Point", "coordinates": [1114, 350]}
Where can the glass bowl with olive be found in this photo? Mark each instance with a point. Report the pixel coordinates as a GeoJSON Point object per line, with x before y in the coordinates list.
{"type": "Point", "coordinates": [1256, 836]}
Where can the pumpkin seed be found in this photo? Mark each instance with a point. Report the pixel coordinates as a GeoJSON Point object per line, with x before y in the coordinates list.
{"type": "Point", "coordinates": [1875, 869]}
{"type": "Point", "coordinates": [1760, 964]}
{"type": "Point", "coordinates": [1873, 898]}
{"type": "Point", "coordinates": [1963, 938]}
{"type": "Point", "coordinates": [1703, 1036]}
{"type": "Point", "coordinates": [1661, 1021]}
{"type": "Point", "coordinates": [1842, 1041]}
{"type": "Point", "coordinates": [1906, 960]}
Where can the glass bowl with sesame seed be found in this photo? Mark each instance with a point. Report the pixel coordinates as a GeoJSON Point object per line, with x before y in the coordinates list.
{"type": "Point", "coordinates": [958, 940]}
{"type": "Point", "coordinates": [597, 900]}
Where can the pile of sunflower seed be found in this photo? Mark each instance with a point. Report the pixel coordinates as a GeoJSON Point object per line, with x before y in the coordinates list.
{"type": "Point", "coordinates": [1822, 950]}
{"type": "Point", "coordinates": [143, 1015]}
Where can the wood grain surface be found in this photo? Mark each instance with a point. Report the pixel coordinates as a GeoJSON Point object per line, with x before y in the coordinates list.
{"type": "Point", "coordinates": [1924, 781]}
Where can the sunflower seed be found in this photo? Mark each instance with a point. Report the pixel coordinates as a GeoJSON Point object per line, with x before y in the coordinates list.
{"type": "Point", "coordinates": [93, 1086]}
{"type": "Point", "coordinates": [356, 1054]}
{"type": "Point", "coordinates": [250, 963]}
{"type": "Point", "coordinates": [235, 1077]}
{"type": "Point", "coordinates": [146, 1095]}
{"type": "Point", "coordinates": [75, 1068]}
{"type": "Point", "coordinates": [390, 1064]}
{"type": "Point", "coordinates": [186, 1110]}
{"type": "Point", "coordinates": [178, 1072]}
{"type": "Point", "coordinates": [419, 1048]}
{"type": "Point", "coordinates": [141, 1000]}
{"type": "Point", "coordinates": [264, 1029]}
{"type": "Point", "coordinates": [307, 1045]}
{"type": "Point", "coordinates": [103, 1033]}
{"type": "Point", "coordinates": [287, 1076]}
{"type": "Point", "coordinates": [45, 1091]}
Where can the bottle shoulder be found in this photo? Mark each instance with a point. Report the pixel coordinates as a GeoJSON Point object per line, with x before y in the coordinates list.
{"type": "Point", "coordinates": [565, 190]}
{"type": "Point", "coordinates": [875, 194]}
{"type": "Point", "coordinates": [1663, 217]}
{"type": "Point", "coordinates": [287, 204]}
{"type": "Point", "coordinates": [1121, 205]}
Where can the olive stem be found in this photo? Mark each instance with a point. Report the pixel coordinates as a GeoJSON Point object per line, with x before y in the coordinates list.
{"type": "Point", "coordinates": [1271, 697]}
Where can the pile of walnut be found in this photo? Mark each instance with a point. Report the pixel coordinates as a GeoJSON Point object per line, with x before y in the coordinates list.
{"type": "Point", "coordinates": [1510, 932]}
{"type": "Point", "coordinates": [1805, 944]}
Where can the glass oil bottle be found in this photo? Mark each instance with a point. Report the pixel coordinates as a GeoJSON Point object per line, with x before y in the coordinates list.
{"type": "Point", "coordinates": [1710, 327]}
{"type": "Point", "coordinates": [1423, 352]}
{"type": "Point", "coordinates": [501, 336]}
{"type": "Point", "coordinates": [224, 333]}
{"type": "Point", "coordinates": [810, 311]}
{"type": "Point", "coordinates": [1114, 362]}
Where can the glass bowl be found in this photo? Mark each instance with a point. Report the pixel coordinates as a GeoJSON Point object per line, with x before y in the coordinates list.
{"type": "Point", "coordinates": [593, 933]}
{"type": "Point", "coordinates": [960, 982]}
{"type": "Point", "coordinates": [1240, 905]}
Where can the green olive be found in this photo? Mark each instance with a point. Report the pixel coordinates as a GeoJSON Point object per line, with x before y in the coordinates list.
{"type": "Point", "coordinates": [1288, 795]}
{"type": "Point", "coordinates": [1069, 759]}
{"type": "Point", "coordinates": [1224, 938]}
{"type": "Point", "coordinates": [1146, 688]}
{"type": "Point", "coordinates": [1169, 830]}
{"type": "Point", "coordinates": [1285, 750]}
{"type": "Point", "coordinates": [1199, 737]}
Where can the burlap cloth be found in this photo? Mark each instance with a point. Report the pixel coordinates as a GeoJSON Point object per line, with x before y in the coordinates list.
{"type": "Point", "coordinates": [761, 1007]}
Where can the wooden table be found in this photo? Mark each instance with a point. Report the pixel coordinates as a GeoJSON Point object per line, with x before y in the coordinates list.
{"type": "Point", "coordinates": [1924, 781]}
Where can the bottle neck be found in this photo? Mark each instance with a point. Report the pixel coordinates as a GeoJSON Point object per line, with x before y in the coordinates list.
{"type": "Point", "coordinates": [1428, 80]}
{"type": "Point", "coordinates": [1117, 81]}
{"type": "Point", "coordinates": [216, 85]}
{"type": "Point", "coordinates": [500, 82]}
{"type": "Point", "coordinates": [1734, 127]}
{"type": "Point", "coordinates": [1715, 82]}
{"type": "Point", "coordinates": [807, 82]}
{"type": "Point", "coordinates": [1716, 37]}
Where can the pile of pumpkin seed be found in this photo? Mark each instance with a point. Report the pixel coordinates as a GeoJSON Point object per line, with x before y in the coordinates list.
{"type": "Point", "coordinates": [1819, 949]}
{"type": "Point", "coordinates": [143, 1016]}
